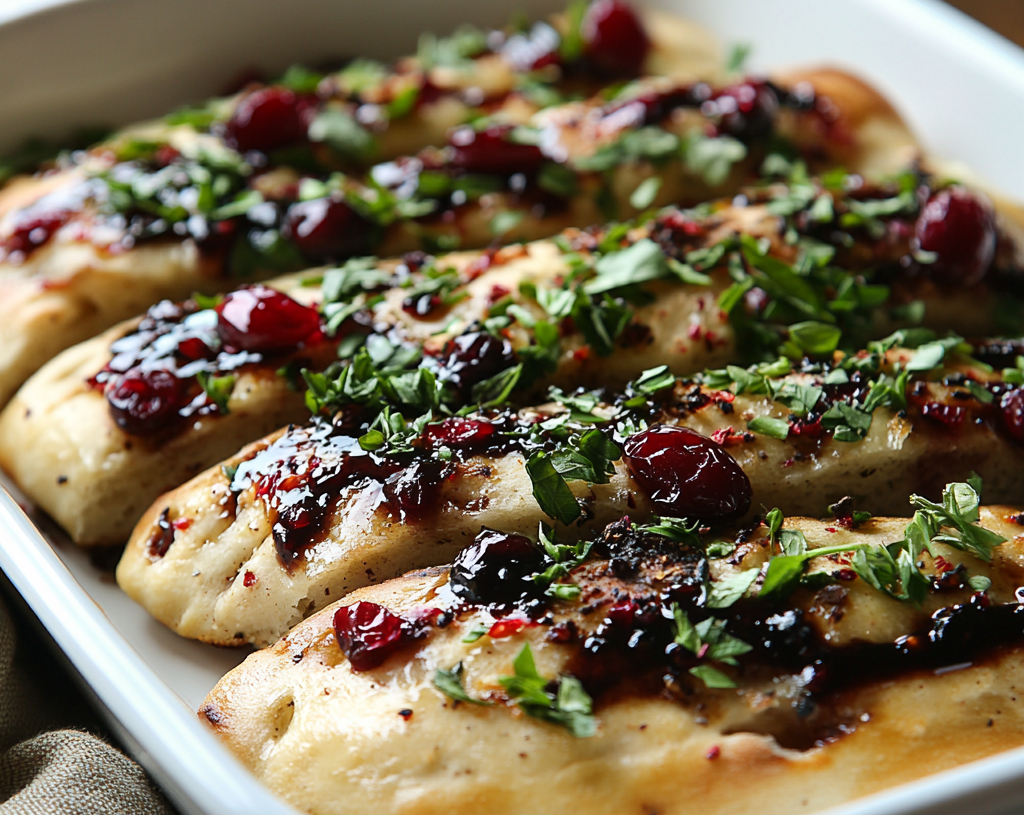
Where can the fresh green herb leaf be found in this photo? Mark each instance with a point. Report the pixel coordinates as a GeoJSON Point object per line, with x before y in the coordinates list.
{"type": "Point", "coordinates": [639, 263]}
{"type": "Point", "coordinates": [450, 684]}
{"type": "Point", "coordinates": [550, 489]}
{"type": "Point", "coordinates": [570, 706]}
{"type": "Point", "coordinates": [645, 193]}
{"type": "Point", "coordinates": [725, 592]}
{"type": "Point", "coordinates": [712, 677]}
{"type": "Point", "coordinates": [768, 426]}
{"type": "Point", "coordinates": [218, 389]}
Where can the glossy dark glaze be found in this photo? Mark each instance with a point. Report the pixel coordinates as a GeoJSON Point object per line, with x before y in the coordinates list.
{"type": "Point", "coordinates": [687, 475]}
{"type": "Point", "coordinates": [151, 382]}
{"type": "Point", "coordinates": [621, 633]}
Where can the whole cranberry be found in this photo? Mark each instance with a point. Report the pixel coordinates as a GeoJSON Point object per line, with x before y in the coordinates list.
{"type": "Point", "coordinates": [1012, 406]}
{"type": "Point", "coordinates": [33, 230]}
{"type": "Point", "coordinates": [745, 110]}
{"type": "Point", "coordinates": [368, 634]}
{"type": "Point", "coordinates": [959, 227]}
{"type": "Point", "coordinates": [492, 152]}
{"type": "Point", "coordinates": [268, 119]}
{"type": "Point", "coordinates": [261, 319]}
{"type": "Point", "coordinates": [495, 568]}
{"type": "Point", "coordinates": [471, 358]}
{"type": "Point", "coordinates": [686, 474]}
{"type": "Point", "coordinates": [325, 228]}
{"type": "Point", "coordinates": [462, 434]}
{"type": "Point", "coordinates": [614, 39]}
{"type": "Point", "coordinates": [144, 402]}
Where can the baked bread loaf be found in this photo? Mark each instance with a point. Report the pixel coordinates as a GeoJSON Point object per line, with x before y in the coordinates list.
{"type": "Point", "coordinates": [163, 209]}
{"type": "Point", "coordinates": [103, 239]}
{"type": "Point", "coordinates": [246, 550]}
{"type": "Point", "coordinates": [674, 675]}
{"type": "Point", "coordinates": [98, 440]}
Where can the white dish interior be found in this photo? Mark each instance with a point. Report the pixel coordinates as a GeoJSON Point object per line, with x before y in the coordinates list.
{"type": "Point", "coordinates": [116, 61]}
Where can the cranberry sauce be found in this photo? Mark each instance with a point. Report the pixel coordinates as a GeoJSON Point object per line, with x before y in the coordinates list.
{"type": "Point", "coordinates": [368, 634]}
{"type": "Point", "coordinates": [687, 475]}
{"type": "Point", "coordinates": [634, 585]}
{"type": "Point", "coordinates": [303, 474]}
{"type": "Point", "coordinates": [152, 380]}
{"type": "Point", "coordinates": [37, 223]}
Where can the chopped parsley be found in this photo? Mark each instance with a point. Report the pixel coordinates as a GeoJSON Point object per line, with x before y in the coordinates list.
{"type": "Point", "coordinates": [450, 684]}
{"type": "Point", "coordinates": [568, 705]}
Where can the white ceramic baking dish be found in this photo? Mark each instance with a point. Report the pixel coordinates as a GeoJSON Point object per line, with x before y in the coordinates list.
{"type": "Point", "coordinates": [69, 64]}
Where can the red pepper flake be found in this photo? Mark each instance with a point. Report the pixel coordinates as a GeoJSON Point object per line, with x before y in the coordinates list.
{"type": "Point", "coordinates": [695, 332]}
{"type": "Point", "coordinates": [713, 752]}
{"type": "Point", "coordinates": [831, 529]}
{"type": "Point", "coordinates": [181, 524]}
{"type": "Point", "coordinates": [789, 462]}
{"type": "Point", "coordinates": [582, 354]}
{"type": "Point", "coordinates": [942, 565]}
{"type": "Point", "coordinates": [498, 292]}
{"type": "Point", "coordinates": [727, 438]}
{"type": "Point", "coordinates": [509, 627]}
{"type": "Point", "coordinates": [249, 580]}
{"type": "Point", "coordinates": [805, 428]}
{"type": "Point", "coordinates": [480, 265]}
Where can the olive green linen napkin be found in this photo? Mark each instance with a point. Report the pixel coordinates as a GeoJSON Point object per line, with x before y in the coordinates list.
{"type": "Point", "coordinates": [45, 770]}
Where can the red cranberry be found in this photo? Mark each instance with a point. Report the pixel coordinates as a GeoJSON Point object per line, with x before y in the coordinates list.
{"type": "Point", "coordinates": [258, 318]}
{"type": "Point", "coordinates": [1012, 405]}
{"type": "Point", "coordinates": [368, 634]}
{"type": "Point", "coordinates": [960, 228]}
{"type": "Point", "coordinates": [622, 614]}
{"type": "Point", "coordinates": [471, 358]}
{"type": "Point", "coordinates": [32, 232]}
{"type": "Point", "coordinates": [686, 474]}
{"type": "Point", "coordinates": [268, 119]}
{"type": "Point", "coordinates": [614, 39]}
{"type": "Point", "coordinates": [949, 415]}
{"type": "Point", "coordinates": [144, 402]}
{"type": "Point", "coordinates": [411, 493]}
{"type": "Point", "coordinates": [460, 433]}
{"type": "Point", "coordinates": [490, 151]}
{"type": "Point", "coordinates": [495, 568]}
{"type": "Point", "coordinates": [325, 228]}
{"type": "Point", "coordinates": [746, 110]}
{"type": "Point", "coordinates": [193, 348]}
